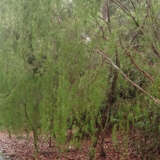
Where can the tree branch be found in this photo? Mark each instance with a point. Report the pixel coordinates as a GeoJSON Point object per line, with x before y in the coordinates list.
{"type": "Point", "coordinates": [100, 52]}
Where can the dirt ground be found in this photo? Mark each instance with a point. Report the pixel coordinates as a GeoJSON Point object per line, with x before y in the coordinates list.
{"type": "Point", "coordinates": [21, 148]}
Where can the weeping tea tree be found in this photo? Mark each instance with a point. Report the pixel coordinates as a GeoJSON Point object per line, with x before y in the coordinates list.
{"type": "Point", "coordinates": [60, 63]}
{"type": "Point", "coordinates": [51, 79]}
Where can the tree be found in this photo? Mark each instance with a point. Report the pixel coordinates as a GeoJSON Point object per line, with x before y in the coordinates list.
{"type": "Point", "coordinates": [66, 62]}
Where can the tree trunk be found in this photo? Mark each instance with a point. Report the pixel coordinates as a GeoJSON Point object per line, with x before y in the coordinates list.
{"type": "Point", "coordinates": [35, 138]}
{"type": "Point", "coordinates": [106, 114]}
{"type": "Point", "coordinates": [50, 141]}
{"type": "Point", "coordinates": [9, 134]}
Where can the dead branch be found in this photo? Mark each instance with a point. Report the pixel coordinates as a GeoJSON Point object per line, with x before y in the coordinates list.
{"type": "Point", "coordinates": [155, 51]}
{"type": "Point", "coordinates": [126, 11]}
{"type": "Point", "coordinates": [146, 74]}
{"type": "Point", "coordinates": [155, 100]}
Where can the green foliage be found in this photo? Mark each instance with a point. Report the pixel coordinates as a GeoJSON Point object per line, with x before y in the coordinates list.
{"type": "Point", "coordinates": [52, 80]}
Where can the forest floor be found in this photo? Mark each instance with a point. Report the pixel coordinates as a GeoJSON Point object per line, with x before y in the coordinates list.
{"type": "Point", "coordinates": [21, 148]}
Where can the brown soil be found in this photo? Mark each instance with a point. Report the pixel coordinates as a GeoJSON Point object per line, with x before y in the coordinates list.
{"type": "Point", "coordinates": [21, 148]}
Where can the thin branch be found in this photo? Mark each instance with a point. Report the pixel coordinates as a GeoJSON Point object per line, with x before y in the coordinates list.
{"type": "Point", "coordinates": [126, 11]}
{"type": "Point", "coordinates": [156, 100]}
{"type": "Point", "coordinates": [132, 4]}
{"type": "Point", "coordinates": [127, 52]}
{"type": "Point", "coordinates": [102, 30]}
{"type": "Point", "coordinates": [107, 23]}
{"type": "Point", "coordinates": [108, 15]}
{"type": "Point", "coordinates": [156, 52]}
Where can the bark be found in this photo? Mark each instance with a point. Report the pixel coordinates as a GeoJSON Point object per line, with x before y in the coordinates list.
{"type": "Point", "coordinates": [35, 138]}
{"type": "Point", "coordinates": [50, 141]}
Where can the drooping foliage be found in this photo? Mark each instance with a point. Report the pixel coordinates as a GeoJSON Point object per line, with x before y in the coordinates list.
{"type": "Point", "coordinates": [79, 65]}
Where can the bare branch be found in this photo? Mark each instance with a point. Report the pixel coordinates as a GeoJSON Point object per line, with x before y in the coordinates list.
{"type": "Point", "coordinates": [132, 4]}
{"type": "Point", "coordinates": [126, 11]}
{"type": "Point", "coordinates": [127, 52]}
{"type": "Point", "coordinates": [156, 100]}
{"type": "Point", "coordinates": [156, 52]}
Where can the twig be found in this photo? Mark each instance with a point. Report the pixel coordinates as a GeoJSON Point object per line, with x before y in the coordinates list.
{"type": "Point", "coordinates": [126, 11]}
{"type": "Point", "coordinates": [147, 75]}
{"type": "Point", "coordinates": [156, 52]}
{"type": "Point", "coordinates": [156, 100]}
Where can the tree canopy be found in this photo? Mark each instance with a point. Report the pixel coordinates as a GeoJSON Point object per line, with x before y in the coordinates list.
{"type": "Point", "coordinates": [81, 65]}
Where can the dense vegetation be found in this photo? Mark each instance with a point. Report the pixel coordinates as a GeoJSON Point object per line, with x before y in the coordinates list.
{"type": "Point", "coordinates": [81, 68]}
